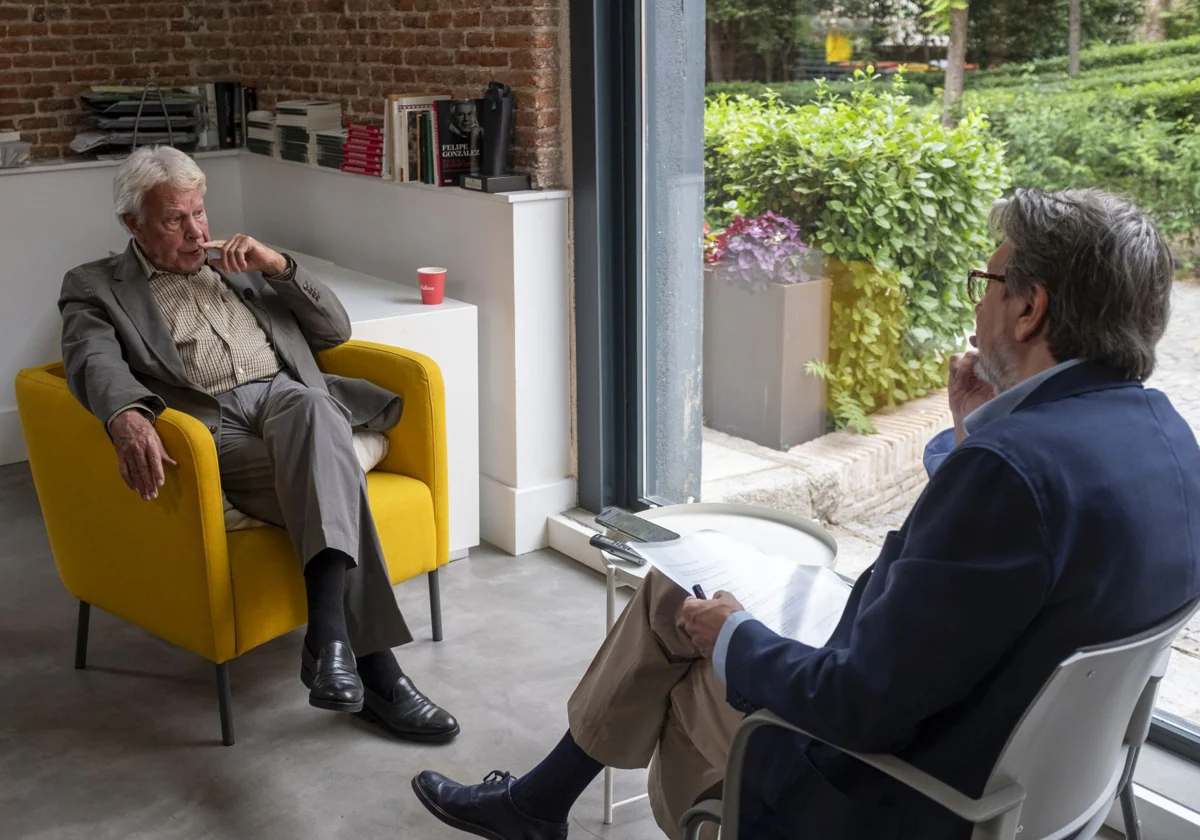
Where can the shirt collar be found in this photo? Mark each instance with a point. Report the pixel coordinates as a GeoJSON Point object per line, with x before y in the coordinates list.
{"type": "Point", "coordinates": [1006, 402]}
{"type": "Point", "coordinates": [148, 267]}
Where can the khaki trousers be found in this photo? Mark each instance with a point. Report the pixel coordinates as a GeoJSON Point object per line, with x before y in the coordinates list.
{"type": "Point", "coordinates": [650, 699]}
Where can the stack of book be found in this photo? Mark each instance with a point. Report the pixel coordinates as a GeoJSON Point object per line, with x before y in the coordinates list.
{"type": "Point", "coordinates": [362, 153]}
{"type": "Point", "coordinates": [260, 133]}
{"type": "Point", "coordinates": [329, 147]}
{"type": "Point", "coordinates": [297, 122]}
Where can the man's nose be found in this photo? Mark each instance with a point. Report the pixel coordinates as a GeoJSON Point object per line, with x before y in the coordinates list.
{"type": "Point", "coordinates": [192, 228]}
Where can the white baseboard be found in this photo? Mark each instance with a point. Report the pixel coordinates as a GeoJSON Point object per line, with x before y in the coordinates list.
{"type": "Point", "coordinates": [12, 442]}
{"type": "Point", "coordinates": [515, 519]}
{"type": "Point", "coordinates": [570, 537]}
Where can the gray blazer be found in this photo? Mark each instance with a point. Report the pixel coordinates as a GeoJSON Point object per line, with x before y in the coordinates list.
{"type": "Point", "coordinates": [118, 350]}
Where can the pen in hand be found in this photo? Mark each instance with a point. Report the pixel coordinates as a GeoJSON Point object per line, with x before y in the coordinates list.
{"type": "Point", "coordinates": [698, 592]}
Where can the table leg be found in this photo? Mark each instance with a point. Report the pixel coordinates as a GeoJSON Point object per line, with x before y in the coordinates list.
{"type": "Point", "coordinates": [611, 579]}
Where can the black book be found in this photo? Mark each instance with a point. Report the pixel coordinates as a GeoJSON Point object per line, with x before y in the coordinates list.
{"type": "Point", "coordinates": [229, 114]}
{"type": "Point", "coordinates": [459, 139]}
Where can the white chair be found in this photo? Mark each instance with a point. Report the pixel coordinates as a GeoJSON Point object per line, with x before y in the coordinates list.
{"type": "Point", "coordinates": [1071, 755]}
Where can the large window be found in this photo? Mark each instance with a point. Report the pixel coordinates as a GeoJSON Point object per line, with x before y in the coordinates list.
{"type": "Point", "coordinates": [764, 259]}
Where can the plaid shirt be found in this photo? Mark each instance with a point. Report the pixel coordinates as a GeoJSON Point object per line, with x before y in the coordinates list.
{"type": "Point", "coordinates": [218, 338]}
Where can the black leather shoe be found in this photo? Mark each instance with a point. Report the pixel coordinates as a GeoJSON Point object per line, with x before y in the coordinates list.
{"type": "Point", "coordinates": [485, 810]}
{"type": "Point", "coordinates": [331, 678]}
{"type": "Point", "coordinates": [410, 715]}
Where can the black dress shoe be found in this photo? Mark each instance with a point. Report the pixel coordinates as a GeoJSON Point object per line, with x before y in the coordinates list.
{"type": "Point", "coordinates": [331, 678]}
{"type": "Point", "coordinates": [485, 810]}
{"type": "Point", "coordinates": [410, 715]}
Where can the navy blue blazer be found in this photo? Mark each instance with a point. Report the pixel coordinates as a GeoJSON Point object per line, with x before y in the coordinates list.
{"type": "Point", "coordinates": [1073, 521]}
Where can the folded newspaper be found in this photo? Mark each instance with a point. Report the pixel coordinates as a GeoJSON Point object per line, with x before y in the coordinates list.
{"type": "Point", "coordinates": [801, 602]}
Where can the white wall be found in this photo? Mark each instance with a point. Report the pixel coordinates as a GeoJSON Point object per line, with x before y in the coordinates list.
{"type": "Point", "coordinates": [53, 218]}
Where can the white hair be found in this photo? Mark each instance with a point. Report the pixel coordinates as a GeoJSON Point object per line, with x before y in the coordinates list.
{"type": "Point", "coordinates": [148, 167]}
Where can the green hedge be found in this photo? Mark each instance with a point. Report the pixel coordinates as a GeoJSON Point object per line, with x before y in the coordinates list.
{"type": "Point", "coordinates": [1126, 141]}
{"type": "Point", "coordinates": [1171, 101]}
{"type": "Point", "coordinates": [1093, 59]}
{"type": "Point", "coordinates": [1179, 68]}
{"type": "Point", "coordinates": [805, 93]}
{"type": "Point", "coordinates": [895, 199]}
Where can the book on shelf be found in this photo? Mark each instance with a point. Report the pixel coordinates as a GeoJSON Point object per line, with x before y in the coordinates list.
{"type": "Point", "coordinates": [398, 136]}
{"type": "Point", "coordinates": [458, 147]}
{"type": "Point", "coordinates": [229, 104]}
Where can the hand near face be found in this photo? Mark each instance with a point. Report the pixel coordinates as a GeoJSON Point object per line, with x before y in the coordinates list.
{"type": "Point", "coordinates": [703, 619]}
{"type": "Point", "coordinates": [241, 253]}
{"type": "Point", "coordinates": [967, 390]}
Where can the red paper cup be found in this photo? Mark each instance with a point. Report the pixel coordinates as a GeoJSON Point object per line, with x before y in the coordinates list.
{"type": "Point", "coordinates": [433, 284]}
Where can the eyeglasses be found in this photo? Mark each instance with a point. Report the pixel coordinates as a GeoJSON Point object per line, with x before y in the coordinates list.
{"type": "Point", "coordinates": [977, 283]}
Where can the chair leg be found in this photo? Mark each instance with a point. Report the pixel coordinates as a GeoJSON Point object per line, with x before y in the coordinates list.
{"type": "Point", "coordinates": [225, 701]}
{"type": "Point", "coordinates": [435, 604]}
{"type": "Point", "coordinates": [1133, 826]}
{"type": "Point", "coordinates": [81, 634]}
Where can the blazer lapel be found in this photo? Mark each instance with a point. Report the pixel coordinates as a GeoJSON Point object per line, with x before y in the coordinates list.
{"type": "Point", "coordinates": [132, 291]}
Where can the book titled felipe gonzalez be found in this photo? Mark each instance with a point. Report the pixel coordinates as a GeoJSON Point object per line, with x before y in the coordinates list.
{"type": "Point", "coordinates": [459, 139]}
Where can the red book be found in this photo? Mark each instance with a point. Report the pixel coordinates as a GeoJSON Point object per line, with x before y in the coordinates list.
{"type": "Point", "coordinates": [360, 170]}
{"type": "Point", "coordinates": [363, 148]}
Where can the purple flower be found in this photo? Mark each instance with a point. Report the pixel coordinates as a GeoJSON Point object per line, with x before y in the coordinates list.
{"type": "Point", "coordinates": [755, 252]}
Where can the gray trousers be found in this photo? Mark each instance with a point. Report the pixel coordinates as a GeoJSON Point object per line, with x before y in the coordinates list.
{"type": "Point", "coordinates": [287, 457]}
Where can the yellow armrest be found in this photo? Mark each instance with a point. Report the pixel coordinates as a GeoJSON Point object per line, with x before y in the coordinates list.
{"type": "Point", "coordinates": [418, 442]}
{"type": "Point", "coordinates": [162, 565]}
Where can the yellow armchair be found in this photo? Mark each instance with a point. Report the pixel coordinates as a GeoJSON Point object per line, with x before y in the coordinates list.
{"type": "Point", "coordinates": [170, 567]}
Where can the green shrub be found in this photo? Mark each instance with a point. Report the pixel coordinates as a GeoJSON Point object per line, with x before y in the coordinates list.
{"type": "Point", "coordinates": [806, 93]}
{"type": "Point", "coordinates": [1177, 68]}
{"type": "Point", "coordinates": [896, 200]}
{"type": "Point", "coordinates": [1095, 58]}
{"type": "Point", "coordinates": [1119, 141]}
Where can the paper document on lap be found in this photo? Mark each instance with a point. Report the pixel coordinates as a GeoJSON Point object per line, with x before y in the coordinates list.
{"type": "Point", "coordinates": [801, 602]}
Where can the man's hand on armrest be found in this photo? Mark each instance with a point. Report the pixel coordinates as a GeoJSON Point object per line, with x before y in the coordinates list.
{"type": "Point", "coordinates": [140, 452]}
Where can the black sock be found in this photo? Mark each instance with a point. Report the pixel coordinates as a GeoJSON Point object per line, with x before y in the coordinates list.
{"type": "Point", "coordinates": [325, 585]}
{"type": "Point", "coordinates": [548, 791]}
{"type": "Point", "coordinates": [379, 672]}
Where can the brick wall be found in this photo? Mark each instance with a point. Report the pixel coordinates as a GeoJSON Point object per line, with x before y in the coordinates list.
{"type": "Point", "coordinates": [49, 52]}
{"type": "Point", "coordinates": [358, 51]}
{"type": "Point", "coordinates": [355, 51]}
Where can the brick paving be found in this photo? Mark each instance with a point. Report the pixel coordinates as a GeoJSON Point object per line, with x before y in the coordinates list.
{"type": "Point", "coordinates": [1178, 376]}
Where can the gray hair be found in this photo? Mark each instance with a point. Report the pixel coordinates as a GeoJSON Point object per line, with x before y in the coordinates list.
{"type": "Point", "coordinates": [147, 168]}
{"type": "Point", "coordinates": [1105, 267]}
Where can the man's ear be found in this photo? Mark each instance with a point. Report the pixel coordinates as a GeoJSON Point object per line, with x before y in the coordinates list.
{"type": "Point", "coordinates": [1033, 318]}
{"type": "Point", "coordinates": [130, 221]}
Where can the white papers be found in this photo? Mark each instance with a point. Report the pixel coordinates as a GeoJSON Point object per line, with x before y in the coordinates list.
{"type": "Point", "coordinates": [801, 602]}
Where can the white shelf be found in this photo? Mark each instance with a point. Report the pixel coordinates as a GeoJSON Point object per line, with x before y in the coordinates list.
{"type": "Point", "coordinates": [454, 192]}
{"type": "Point", "coordinates": [71, 165]}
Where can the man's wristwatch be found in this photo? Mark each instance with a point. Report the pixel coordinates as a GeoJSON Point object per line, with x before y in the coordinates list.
{"type": "Point", "coordinates": [287, 274]}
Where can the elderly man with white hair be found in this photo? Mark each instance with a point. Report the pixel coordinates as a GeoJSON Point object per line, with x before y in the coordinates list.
{"type": "Point", "coordinates": [226, 331]}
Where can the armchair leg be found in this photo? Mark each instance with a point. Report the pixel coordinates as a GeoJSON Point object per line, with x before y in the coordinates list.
{"type": "Point", "coordinates": [225, 701]}
{"type": "Point", "coordinates": [81, 634]}
{"type": "Point", "coordinates": [435, 604]}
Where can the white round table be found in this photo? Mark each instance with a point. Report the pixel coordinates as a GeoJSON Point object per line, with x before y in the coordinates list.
{"type": "Point", "coordinates": [771, 531]}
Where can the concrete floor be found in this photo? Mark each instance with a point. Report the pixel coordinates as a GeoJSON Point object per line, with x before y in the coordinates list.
{"type": "Point", "coordinates": [130, 747]}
